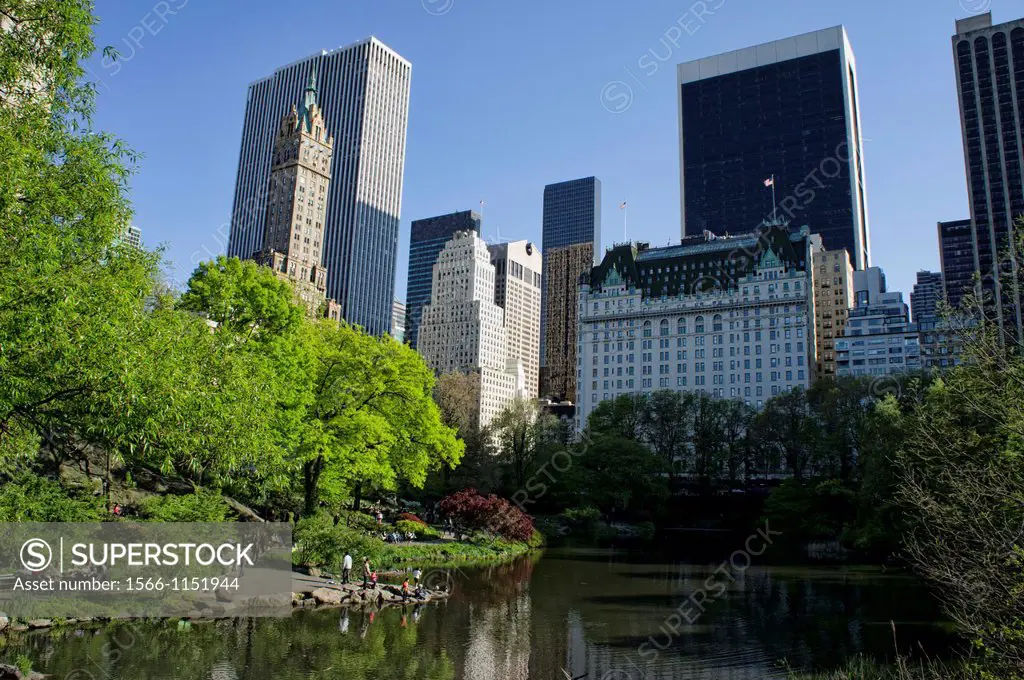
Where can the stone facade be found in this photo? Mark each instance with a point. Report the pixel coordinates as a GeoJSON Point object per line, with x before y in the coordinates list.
{"type": "Point", "coordinates": [293, 239]}
{"type": "Point", "coordinates": [564, 267]}
{"type": "Point", "coordinates": [730, 317]}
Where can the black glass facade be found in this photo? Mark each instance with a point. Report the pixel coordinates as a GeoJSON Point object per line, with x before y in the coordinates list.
{"type": "Point", "coordinates": [956, 253]}
{"type": "Point", "coordinates": [990, 75]}
{"type": "Point", "coordinates": [572, 213]}
{"type": "Point", "coordinates": [427, 241]}
{"type": "Point", "coordinates": [787, 119]}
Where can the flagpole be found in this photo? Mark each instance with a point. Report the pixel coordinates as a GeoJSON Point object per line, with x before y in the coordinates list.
{"type": "Point", "coordinates": [773, 198]}
{"type": "Point", "coordinates": [625, 214]}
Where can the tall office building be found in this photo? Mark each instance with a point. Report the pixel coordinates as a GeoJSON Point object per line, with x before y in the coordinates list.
{"type": "Point", "coordinates": [571, 234]}
{"type": "Point", "coordinates": [956, 257]}
{"type": "Point", "coordinates": [425, 244]}
{"type": "Point", "coordinates": [463, 329]}
{"type": "Point", "coordinates": [787, 109]}
{"type": "Point", "coordinates": [833, 298]}
{"type": "Point", "coordinates": [927, 296]}
{"type": "Point", "coordinates": [398, 314]}
{"type": "Point", "coordinates": [300, 178]}
{"type": "Point", "coordinates": [517, 271]}
{"type": "Point", "coordinates": [364, 93]}
{"type": "Point", "coordinates": [563, 268]}
{"type": "Point", "coordinates": [990, 82]}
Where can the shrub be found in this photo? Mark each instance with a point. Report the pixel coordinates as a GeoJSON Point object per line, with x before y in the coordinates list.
{"type": "Point", "coordinates": [30, 498]}
{"type": "Point", "coordinates": [472, 511]}
{"type": "Point", "coordinates": [587, 515]}
{"type": "Point", "coordinates": [421, 530]}
{"type": "Point", "coordinates": [201, 506]}
{"type": "Point", "coordinates": [322, 544]}
{"type": "Point", "coordinates": [409, 517]}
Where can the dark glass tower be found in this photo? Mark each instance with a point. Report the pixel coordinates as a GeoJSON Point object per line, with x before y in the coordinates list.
{"type": "Point", "coordinates": [571, 240]}
{"type": "Point", "coordinates": [990, 82]}
{"type": "Point", "coordinates": [956, 256]}
{"type": "Point", "coordinates": [787, 109]}
{"type": "Point", "coordinates": [428, 238]}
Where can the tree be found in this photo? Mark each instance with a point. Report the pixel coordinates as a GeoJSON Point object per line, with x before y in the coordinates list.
{"type": "Point", "coordinates": [618, 477]}
{"type": "Point", "coordinates": [373, 419]}
{"type": "Point", "coordinates": [666, 421]}
{"type": "Point", "coordinates": [520, 430]}
{"type": "Point", "coordinates": [782, 433]}
{"type": "Point", "coordinates": [619, 417]}
{"type": "Point", "coordinates": [243, 298]}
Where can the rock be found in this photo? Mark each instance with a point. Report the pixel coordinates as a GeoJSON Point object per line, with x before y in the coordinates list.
{"type": "Point", "coordinates": [18, 627]}
{"type": "Point", "coordinates": [4, 622]}
{"type": "Point", "coordinates": [40, 623]}
{"type": "Point", "coordinates": [327, 596]}
{"type": "Point", "coordinates": [315, 572]}
{"type": "Point", "coordinates": [223, 595]}
{"type": "Point", "coordinates": [8, 672]}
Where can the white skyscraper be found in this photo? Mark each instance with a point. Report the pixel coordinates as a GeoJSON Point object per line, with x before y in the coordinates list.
{"type": "Point", "coordinates": [517, 290]}
{"type": "Point", "coordinates": [463, 328]}
{"type": "Point", "coordinates": [363, 90]}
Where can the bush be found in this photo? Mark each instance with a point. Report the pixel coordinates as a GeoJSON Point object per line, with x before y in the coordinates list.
{"type": "Point", "coordinates": [587, 515]}
{"type": "Point", "coordinates": [409, 517]}
{"type": "Point", "coordinates": [322, 544]}
{"type": "Point", "coordinates": [30, 498]}
{"type": "Point", "coordinates": [201, 506]}
{"type": "Point", "coordinates": [359, 520]}
{"type": "Point", "coordinates": [474, 512]}
{"type": "Point", "coordinates": [421, 530]}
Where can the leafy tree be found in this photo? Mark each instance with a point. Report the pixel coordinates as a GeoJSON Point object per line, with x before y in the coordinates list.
{"type": "Point", "coordinates": [620, 477]}
{"type": "Point", "coordinates": [619, 417]}
{"type": "Point", "coordinates": [373, 419]}
{"type": "Point", "coordinates": [243, 298]}
{"type": "Point", "coordinates": [666, 421]}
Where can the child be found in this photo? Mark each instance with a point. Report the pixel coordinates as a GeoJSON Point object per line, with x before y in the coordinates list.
{"type": "Point", "coordinates": [373, 579]}
{"type": "Point", "coordinates": [405, 589]}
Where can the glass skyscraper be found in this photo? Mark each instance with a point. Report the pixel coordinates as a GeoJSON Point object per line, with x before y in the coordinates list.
{"type": "Point", "coordinates": [787, 109]}
{"type": "Point", "coordinates": [363, 90]}
{"type": "Point", "coordinates": [990, 81]}
{"type": "Point", "coordinates": [425, 244]}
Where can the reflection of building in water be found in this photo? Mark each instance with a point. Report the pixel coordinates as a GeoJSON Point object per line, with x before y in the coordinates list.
{"type": "Point", "coordinates": [499, 641]}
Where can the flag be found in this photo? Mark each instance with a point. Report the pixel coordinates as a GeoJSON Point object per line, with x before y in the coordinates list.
{"type": "Point", "coordinates": [622, 206]}
{"type": "Point", "coordinates": [770, 182]}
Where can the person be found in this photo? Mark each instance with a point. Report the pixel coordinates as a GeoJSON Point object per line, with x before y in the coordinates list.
{"type": "Point", "coordinates": [346, 568]}
{"type": "Point", "coordinates": [405, 589]}
{"type": "Point", "coordinates": [343, 623]}
{"type": "Point", "coordinates": [366, 572]}
{"type": "Point", "coordinates": [380, 517]}
{"type": "Point", "coordinates": [373, 579]}
{"type": "Point", "coordinates": [416, 575]}
{"type": "Point", "coordinates": [117, 509]}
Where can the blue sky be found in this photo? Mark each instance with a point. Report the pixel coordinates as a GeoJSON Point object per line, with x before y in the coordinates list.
{"type": "Point", "coordinates": [507, 97]}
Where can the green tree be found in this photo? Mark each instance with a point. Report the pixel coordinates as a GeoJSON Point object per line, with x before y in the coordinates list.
{"type": "Point", "coordinates": [373, 419]}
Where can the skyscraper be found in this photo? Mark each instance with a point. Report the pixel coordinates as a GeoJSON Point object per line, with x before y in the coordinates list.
{"type": "Point", "coordinates": [990, 82]}
{"type": "Point", "coordinates": [364, 93]}
{"type": "Point", "coordinates": [463, 329]}
{"type": "Point", "coordinates": [572, 236]}
{"type": "Point", "coordinates": [300, 178]}
{"type": "Point", "coordinates": [928, 294]}
{"type": "Point", "coordinates": [426, 242]}
{"type": "Point", "coordinates": [833, 298]}
{"type": "Point", "coordinates": [517, 272]}
{"type": "Point", "coordinates": [956, 256]}
{"type": "Point", "coordinates": [398, 321]}
{"type": "Point", "coordinates": [787, 110]}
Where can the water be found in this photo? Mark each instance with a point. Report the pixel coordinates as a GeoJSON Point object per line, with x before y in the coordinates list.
{"type": "Point", "coordinates": [596, 614]}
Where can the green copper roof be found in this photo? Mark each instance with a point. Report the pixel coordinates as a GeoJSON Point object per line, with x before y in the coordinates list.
{"type": "Point", "coordinates": [305, 121]}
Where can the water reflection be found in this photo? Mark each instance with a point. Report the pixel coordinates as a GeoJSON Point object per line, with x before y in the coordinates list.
{"type": "Point", "coordinates": [598, 615]}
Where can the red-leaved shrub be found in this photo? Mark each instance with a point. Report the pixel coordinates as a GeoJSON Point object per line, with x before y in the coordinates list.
{"type": "Point", "coordinates": [475, 512]}
{"type": "Point", "coordinates": [409, 517]}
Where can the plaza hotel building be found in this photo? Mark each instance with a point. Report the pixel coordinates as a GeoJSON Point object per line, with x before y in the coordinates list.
{"type": "Point", "coordinates": [728, 316]}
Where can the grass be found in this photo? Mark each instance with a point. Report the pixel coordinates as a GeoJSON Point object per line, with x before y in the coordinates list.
{"type": "Point", "coordinates": [862, 668]}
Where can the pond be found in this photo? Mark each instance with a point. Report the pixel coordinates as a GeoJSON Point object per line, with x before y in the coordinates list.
{"type": "Point", "coordinates": [598, 614]}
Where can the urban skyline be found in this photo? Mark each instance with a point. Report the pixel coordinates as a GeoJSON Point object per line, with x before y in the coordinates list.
{"type": "Point", "coordinates": [497, 208]}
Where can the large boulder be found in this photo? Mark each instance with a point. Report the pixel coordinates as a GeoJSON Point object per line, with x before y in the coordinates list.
{"type": "Point", "coordinates": [327, 596]}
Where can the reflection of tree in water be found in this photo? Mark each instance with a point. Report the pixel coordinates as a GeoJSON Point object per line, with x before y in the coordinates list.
{"type": "Point", "coordinates": [308, 645]}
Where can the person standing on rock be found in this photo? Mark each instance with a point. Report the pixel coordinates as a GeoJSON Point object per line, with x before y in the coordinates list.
{"type": "Point", "coordinates": [366, 572]}
{"type": "Point", "coordinates": [346, 568]}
